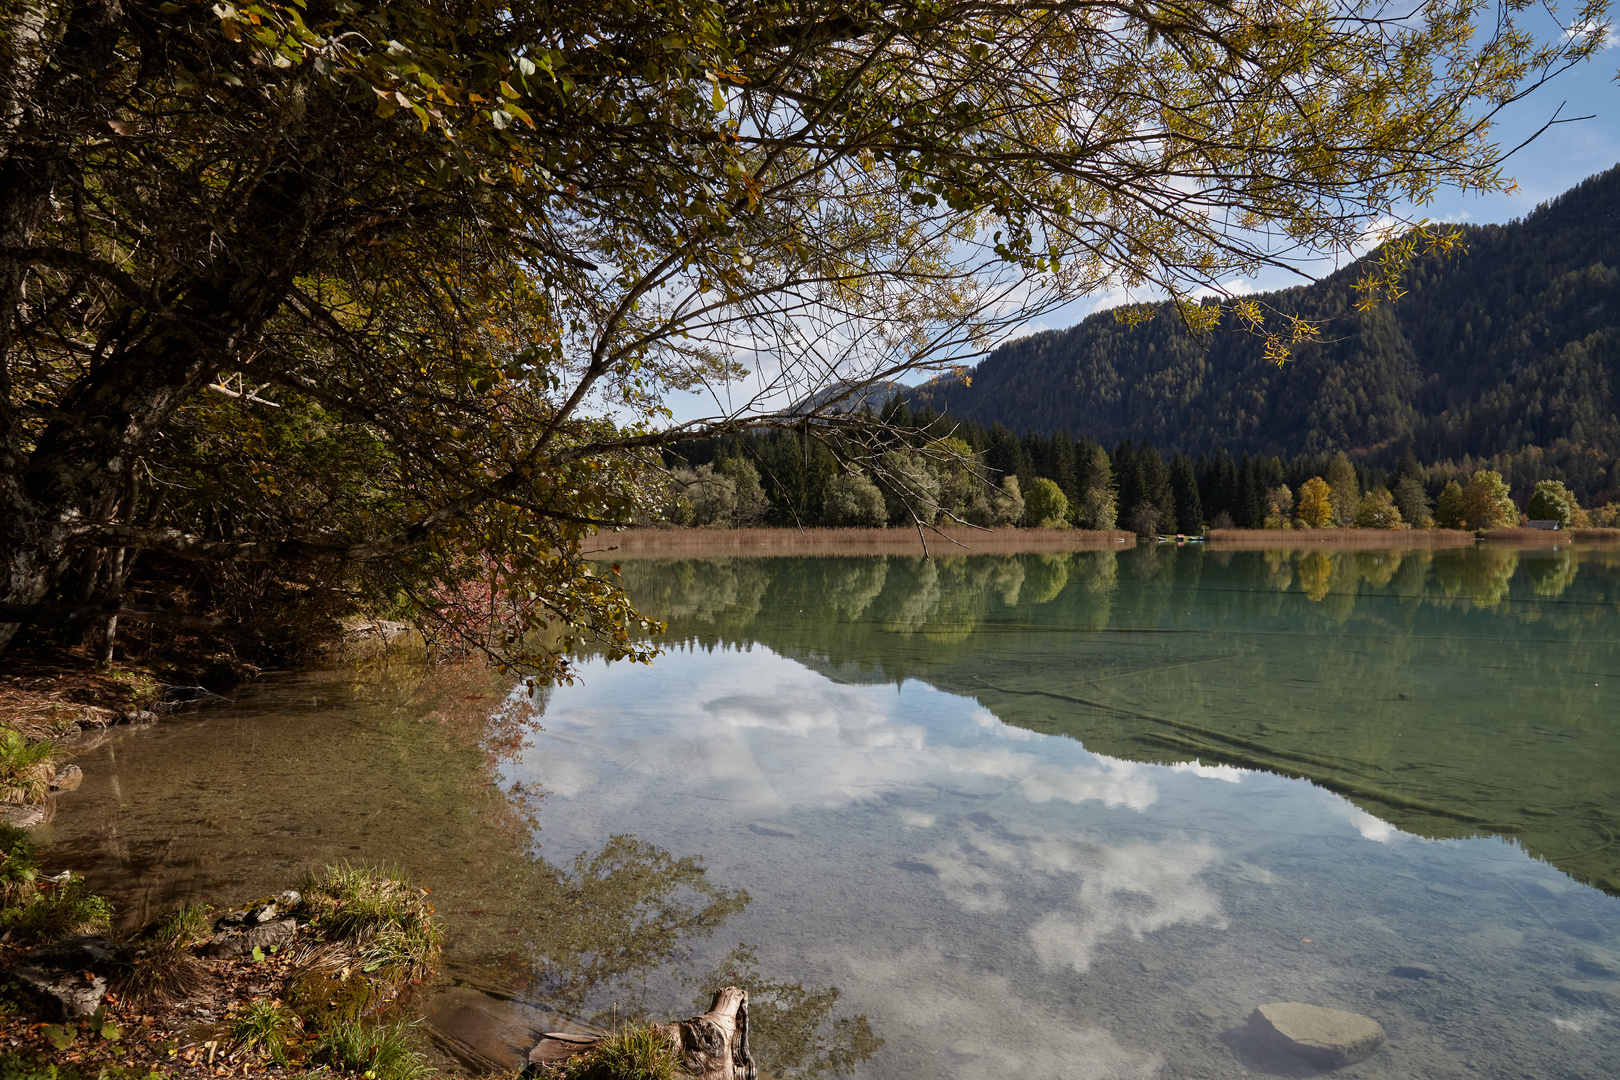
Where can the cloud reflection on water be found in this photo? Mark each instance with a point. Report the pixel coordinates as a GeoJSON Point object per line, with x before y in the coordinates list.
{"type": "Point", "coordinates": [707, 741]}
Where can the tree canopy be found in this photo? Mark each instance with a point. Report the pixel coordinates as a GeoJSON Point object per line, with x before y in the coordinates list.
{"type": "Point", "coordinates": [385, 302]}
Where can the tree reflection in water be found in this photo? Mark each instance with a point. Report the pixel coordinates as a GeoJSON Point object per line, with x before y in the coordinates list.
{"type": "Point", "coordinates": [1403, 679]}
{"type": "Point", "coordinates": [606, 921]}
{"type": "Point", "coordinates": [597, 933]}
{"type": "Point", "coordinates": [792, 1032]}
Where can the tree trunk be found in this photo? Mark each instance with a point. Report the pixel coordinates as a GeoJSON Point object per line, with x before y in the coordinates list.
{"type": "Point", "coordinates": [713, 1046]}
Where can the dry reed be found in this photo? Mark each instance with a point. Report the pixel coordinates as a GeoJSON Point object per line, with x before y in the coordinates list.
{"type": "Point", "coordinates": [943, 542]}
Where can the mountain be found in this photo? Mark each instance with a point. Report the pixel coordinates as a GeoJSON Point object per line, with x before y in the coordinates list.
{"type": "Point", "coordinates": [1512, 342]}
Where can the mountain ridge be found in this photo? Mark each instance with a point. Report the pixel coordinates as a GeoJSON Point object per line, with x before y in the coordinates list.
{"type": "Point", "coordinates": [1511, 342]}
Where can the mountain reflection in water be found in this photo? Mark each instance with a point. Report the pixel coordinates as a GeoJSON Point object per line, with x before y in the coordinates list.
{"type": "Point", "coordinates": [1448, 693]}
{"type": "Point", "coordinates": [875, 748]}
{"type": "Point", "coordinates": [1033, 816]}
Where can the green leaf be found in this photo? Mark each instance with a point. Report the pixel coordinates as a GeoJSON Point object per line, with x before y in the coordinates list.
{"type": "Point", "coordinates": [258, 955]}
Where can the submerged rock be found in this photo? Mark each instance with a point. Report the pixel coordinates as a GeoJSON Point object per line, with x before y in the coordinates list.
{"type": "Point", "coordinates": [1414, 971]}
{"type": "Point", "coordinates": [1596, 961]}
{"type": "Point", "coordinates": [1603, 995]}
{"type": "Point", "coordinates": [23, 817]}
{"type": "Point", "coordinates": [766, 829]}
{"type": "Point", "coordinates": [1327, 1037]}
{"type": "Point", "coordinates": [1581, 928]}
{"type": "Point", "coordinates": [64, 974]}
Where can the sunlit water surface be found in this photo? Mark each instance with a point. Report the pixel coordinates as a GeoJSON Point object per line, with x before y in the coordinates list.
{"type": "Point", "coordinates": [1041, 816]}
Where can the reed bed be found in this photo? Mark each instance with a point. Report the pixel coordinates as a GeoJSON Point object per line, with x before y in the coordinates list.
{"type": "Point", "coordinates": [942, 542]}
{"type": "Point", "coordinates": [1342, 539]}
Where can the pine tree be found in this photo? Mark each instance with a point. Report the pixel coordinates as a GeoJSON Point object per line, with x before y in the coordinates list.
{"type": "Point", "coordinates": [1184, 487]}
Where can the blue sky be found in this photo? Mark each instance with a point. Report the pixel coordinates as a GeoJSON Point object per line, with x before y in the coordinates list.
{"type": "Point", "coordinates": [1557, 160]}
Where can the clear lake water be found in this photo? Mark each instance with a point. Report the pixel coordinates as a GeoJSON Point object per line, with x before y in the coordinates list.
{"type": "Point", "coordinates": [1064, 816]}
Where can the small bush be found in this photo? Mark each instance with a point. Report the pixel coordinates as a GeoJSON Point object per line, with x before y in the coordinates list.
{"type": "Point", "coordinates": [1045, 505]}
{"type": "Point", "coordinates": [1143, 520]}
{"type": "Point", "coordinates": [389, 925]}
{"type": "Point", "coordinates": [632, 1054]}
{"type": "Point", "coordinates": [375, 1051]}
{"type": "Point", "coordinates": [25, 768]}
{"type": "Point", "coordinates": [853, 500]}
{"type": "Point", "coordinates": [1378, 511]}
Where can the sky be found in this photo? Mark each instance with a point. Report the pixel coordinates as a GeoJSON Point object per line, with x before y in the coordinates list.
{"type": "Point", "coordinates": [1557, 160]}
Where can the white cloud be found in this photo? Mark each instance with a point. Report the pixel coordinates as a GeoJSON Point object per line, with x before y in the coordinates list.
{"type": "Point", "coordinates": [993, 1029]}
{"type": "Point", "coordinates": [849, 743]}
{"type": "Point", "coordinates": [1610, 37]}
{"type": "Point", "coordinates": [1230, 773]}
{"type": "Point", "coordinates": [916, 819]}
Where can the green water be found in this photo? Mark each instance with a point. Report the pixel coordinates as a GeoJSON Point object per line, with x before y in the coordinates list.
{"type": "Point", "coordinates": [1452, 694]}
{"type": "Point", "coordinates": [1037, 816]}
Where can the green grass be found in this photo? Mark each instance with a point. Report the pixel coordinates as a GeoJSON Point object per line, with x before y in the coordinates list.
{"type": "Point", "coordinates": [25, 768]}
{"type": "Point", "coordinates": [144, 689]}
{"type": "Point", "coordinates": [267, 1029]}
{"type": "Point", "coordinates": [375, 1051]}
{"type": "Point", "coordinates": [18, 866]}
{"type": "Point", "coordinates": [42, 910]}
{"type": "Point", "coordinates": [389, 925]}
{"type": "Point", "coordinates": [632, 1054]}
{"type": "Point", "coordinates": [61, 911]}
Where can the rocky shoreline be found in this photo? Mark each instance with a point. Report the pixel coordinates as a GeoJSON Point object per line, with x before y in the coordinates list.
{"type": "Point", "coordinates": [318, 978]}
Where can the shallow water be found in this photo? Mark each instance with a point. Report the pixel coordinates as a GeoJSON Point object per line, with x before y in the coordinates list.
{"type": "Point", "coordinates": [1041, 816]}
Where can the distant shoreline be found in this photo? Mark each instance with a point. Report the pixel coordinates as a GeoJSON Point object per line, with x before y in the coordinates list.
{"type": "Point", "coordinates": [957, 541]}
{"type": "Point", "coordinates": [663, 543]}
{"type": "Point", "coordinates": [1344, 539]}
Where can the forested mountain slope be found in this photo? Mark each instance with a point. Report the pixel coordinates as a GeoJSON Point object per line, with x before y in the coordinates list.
{"type": "Point", "coordinates": [1512, 342]}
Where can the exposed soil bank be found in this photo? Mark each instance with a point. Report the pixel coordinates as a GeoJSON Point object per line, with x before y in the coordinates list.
{"type": "Point", "coordinates": [48, 697]}
{"type": "Point", "coordinates": [953, 540]}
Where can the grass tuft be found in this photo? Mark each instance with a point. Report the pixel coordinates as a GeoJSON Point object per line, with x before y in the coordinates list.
{"type": "Point", "coordinates": [164, 968]}
{"type": "Point", "coordinates": [267, 1029]}
{"type": "Point", "coordinates": [389, 925]}
{"type": "Point", "coordinates": [18, 866]}
{"type": "Point", "coordinates": [633, 1054]}
{"type": "Point", "coordinates": [25, 768]}
{"type": "Point", "coordinates": [375, 1051]}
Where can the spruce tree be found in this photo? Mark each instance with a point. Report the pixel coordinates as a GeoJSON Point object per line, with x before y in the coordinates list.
{"type": "Point", "coordinates": [1184, 487]}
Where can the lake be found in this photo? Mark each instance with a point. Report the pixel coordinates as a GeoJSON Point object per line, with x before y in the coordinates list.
{"type": "Point", "coordinates": [1061, 815]}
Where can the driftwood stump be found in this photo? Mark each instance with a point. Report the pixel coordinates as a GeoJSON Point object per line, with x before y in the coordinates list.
{"type": "Point", "coordinates": [713, 1046]}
